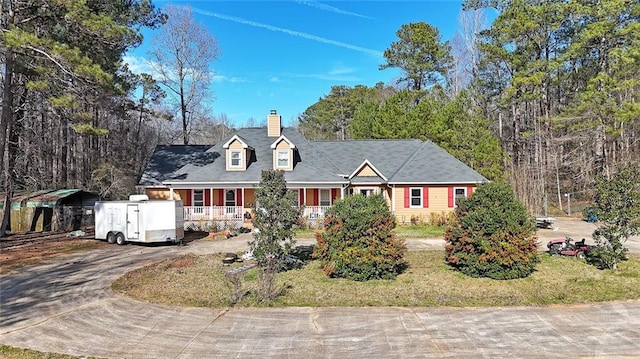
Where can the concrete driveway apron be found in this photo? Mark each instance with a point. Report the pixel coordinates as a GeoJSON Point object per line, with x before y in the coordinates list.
{"type": "Point", "coordinates": [66, 306]}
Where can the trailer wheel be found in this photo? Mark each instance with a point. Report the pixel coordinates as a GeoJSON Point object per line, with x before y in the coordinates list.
{"type": "Point", "coordinates": [111, 238]}
{"type": "Point", "coordinates": [120, 239]}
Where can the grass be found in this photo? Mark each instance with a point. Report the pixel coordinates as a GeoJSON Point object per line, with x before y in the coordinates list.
{"type": "Point", "coordinates": [420, 231]}
{"type": "Point", "coordinates": [9, 352]}
{"type": "Point", "coordinates": [199, 281]}
{"type": "Point", "coordinates": [403, 231]}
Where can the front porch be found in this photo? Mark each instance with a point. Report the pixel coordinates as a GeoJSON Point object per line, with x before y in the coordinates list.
{"type": "Point", "coordinates": [232, 217]}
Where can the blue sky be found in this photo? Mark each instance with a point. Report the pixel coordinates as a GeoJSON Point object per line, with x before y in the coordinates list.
{"type": "Point", "coordinates": [285, 55]}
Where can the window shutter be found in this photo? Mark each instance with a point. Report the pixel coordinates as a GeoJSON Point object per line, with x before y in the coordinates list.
{"type": "Point", "coordinates": [239, 197]}
{"type": "Point", "coordinates": [450, 197]}
{"type": "Point", "coordinates": [406, 197]}
{"type": "Point", "coordinates": [207, 197]}
{"type": "Point", "coordinates": [469, 191]}
{"type": "Point", "coordinates": [220, 197]}
{"type": "Point", "coordinates": [425, 197]}
{"type": "Point", "coordinates": [301, 197]}
{"type": "Point", "coordinates": [188, 198]}
{"type": "Point", "coordinates": [334, 195]}
{"type": "Point", "coordinates": [316, 198]}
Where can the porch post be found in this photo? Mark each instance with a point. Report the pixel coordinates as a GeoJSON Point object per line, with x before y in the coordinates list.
{"type": "Point", "coordinates": [171, 193]}
{"type": "Point", "coordinates": [210, 203]}
{"type": "Point", "coordinates": [393, 199]}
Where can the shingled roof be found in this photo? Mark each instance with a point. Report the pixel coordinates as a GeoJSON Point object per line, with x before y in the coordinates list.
{"type": "Point", "coordinates": [317, 163]}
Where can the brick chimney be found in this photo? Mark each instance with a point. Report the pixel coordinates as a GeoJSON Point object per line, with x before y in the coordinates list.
{"type": "Point", "coordinates": [274, 124]}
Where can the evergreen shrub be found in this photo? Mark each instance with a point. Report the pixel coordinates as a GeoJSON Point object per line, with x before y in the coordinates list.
{"type": "Point", "coordinates": [358, 241]}
{"type": "Point", "coordinates": [492, 235]}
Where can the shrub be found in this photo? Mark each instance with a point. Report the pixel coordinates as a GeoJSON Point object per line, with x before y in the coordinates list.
{"type": "Point", "coordinates": [618, 210]}
{"type": "Point", "coordinates": [275, 222]}
{"type": "Point", "coordinates": [491, 235]}
{"type": "Point", "coordinates": [358, 242]}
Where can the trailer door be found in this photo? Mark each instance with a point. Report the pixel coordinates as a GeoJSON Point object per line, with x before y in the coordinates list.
{"type": "Point", "coordinates": [133, 221]}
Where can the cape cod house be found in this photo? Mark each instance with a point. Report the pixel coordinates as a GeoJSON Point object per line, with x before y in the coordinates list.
{"type": "Point", "coordinates": [217, 183]}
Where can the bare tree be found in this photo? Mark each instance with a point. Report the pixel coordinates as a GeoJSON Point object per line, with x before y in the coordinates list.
{"type": "Point", "coordinates": [183, 51]}
{"type": "Point", "coordinates": [464, 48]}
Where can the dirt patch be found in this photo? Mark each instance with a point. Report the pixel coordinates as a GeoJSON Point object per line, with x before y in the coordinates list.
{"type": "Point", "coordinates": [25, 249]}
{"type": "Point", "coordinates": [41, 249]}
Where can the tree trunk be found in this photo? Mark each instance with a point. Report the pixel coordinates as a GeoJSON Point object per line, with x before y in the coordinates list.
{"type": "Point", "coordinates": [5, 128]}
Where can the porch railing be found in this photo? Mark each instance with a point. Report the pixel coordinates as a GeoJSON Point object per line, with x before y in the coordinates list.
{"type": "Point", "coordinates": [204, 213]}
{"type": "Point", "coordinates": [213, 217]}
{"type": "Point", "coordinates": [314, 212]}
{"type": "Point", "coordinates": [220, 217]}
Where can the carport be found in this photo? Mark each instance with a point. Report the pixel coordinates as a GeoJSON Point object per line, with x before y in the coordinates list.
{"type": "Point", "coordinates": [52, 210]}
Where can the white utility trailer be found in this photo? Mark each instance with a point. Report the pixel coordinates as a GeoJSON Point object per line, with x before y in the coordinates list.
{"type": "Point", "coordinates": [139, 220]}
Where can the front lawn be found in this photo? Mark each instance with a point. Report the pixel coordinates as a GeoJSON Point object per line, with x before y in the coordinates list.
{"type": "Point", "coordinates": [402, 231]}
{"type": "Point", "coordinates": [199, 281]}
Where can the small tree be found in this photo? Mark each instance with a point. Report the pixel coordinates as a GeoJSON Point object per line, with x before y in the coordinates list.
{"type": "Point", "coordinates": [274, 219]}
{"type": "Point", "coordinates": [618, 209]}
{"type": "Point", "coordinates": [492, 235]}
{"type": "Point", "coordinates": [358, 241]}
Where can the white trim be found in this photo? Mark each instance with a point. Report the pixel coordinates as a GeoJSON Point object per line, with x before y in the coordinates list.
{"type": "Point", "coordinates": [320, 190]}
{"type": "Point", "coordinates": [235, 137]}
{"type": "Point", "coordinates": [282, 138]}
{"type": "Point", "coordinates": [288, 152]}
{"type": "Point", "coordinates": [454, 195]}
{"type": "Point", "coordinates": [239, 152]}
{"type": "Point", "coordinates": [367, 163]}
{"type": "Point", "coordinates": [393, 199]}
{"type": "Point", "coordinates": [421, 205]}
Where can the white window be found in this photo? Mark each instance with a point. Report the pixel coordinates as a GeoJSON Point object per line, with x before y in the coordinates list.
{"type": "Point", "coordinates": [198, 197]}
{"type": "Point", "coordinates": [415, 197]}
{"type": "Point", "coordinates": [283, 159]}
{"type": "Point", "coordinates": [325, 197]}
{"type": "Point", "coordinates": [236, 158]}
{"type": "Point", "coordinates": [459, 192]}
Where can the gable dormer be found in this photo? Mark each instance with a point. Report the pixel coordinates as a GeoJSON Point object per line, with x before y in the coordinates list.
{"type": "Point", "coordinates": [283, 154]}
{"type": "Point", "coordinates": [238, 153]}
{"type": "Point", "coordinates": [274, 124]}
{"type": "Point", "coordinates": [367, 169]}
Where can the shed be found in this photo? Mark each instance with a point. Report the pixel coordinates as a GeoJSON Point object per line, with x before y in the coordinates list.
{"type": "Point", "coordinates": [51, 210]}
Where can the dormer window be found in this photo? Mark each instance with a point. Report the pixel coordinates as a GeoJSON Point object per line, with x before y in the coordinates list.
{"type": "Point", "coordinates": [236, 158]}
{"type": "Point", "coordinates": [283, 159]}
{"type": "Point", "coordinates": [238, 153]}
{"type": "Point", "coordinates": [283, 152]}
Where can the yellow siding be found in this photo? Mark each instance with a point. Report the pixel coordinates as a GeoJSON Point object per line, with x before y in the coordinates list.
{"type": "Point", "coordinates": [438, 205]}
{"type": "Point", "coordinates": [273, 125]}
{"type": "Point", "coordinates": [366, 171]}
{"type": "Point", "coordinates": [180, 194]}
{"type": "Point", "coordinates": [162, 193]}
{"type": "Point", "coordinates": [249, 199]}
{"type": "Point", "coordinates": [308, 197]}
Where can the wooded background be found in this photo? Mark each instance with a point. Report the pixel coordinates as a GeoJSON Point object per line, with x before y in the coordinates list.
{"type": "Point", "coordinates": [545, 97]}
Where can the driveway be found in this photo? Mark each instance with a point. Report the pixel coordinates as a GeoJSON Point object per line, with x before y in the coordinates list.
{"type": "Point", "coordinates": [65, 306]}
